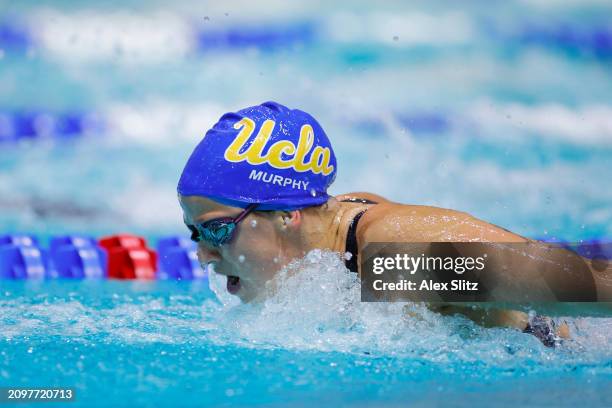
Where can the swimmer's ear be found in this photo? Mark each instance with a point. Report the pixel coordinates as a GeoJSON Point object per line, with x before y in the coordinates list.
{"type": "Point", "coordinates": [291, 219]}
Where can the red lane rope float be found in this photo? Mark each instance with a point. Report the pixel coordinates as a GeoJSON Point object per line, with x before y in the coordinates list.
{"type": "Point", "coordinates": [129, 257]}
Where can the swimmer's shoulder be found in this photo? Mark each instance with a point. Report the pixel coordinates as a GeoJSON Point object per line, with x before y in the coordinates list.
{"type": "Point", "coordinates": [380, 214]}
{"type": "Point", "coordinates": [394, 222]}
{"type": "Point", "coordinates": [362, 195]}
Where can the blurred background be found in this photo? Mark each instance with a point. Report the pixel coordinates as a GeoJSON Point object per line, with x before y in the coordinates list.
{"type": "Point", "coordinates": [504, 112]}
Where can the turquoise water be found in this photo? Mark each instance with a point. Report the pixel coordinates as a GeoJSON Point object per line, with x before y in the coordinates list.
{"type": "Point", "coordinates": [163, 343]}
{"type": "Point", "coordinates": [502, 112]}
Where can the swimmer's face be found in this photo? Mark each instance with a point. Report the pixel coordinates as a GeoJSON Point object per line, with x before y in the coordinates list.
{"type": "Point", "coordinates": [259, 247]}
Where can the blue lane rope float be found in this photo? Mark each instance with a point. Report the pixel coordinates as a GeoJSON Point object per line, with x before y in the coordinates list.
{"type": "Point", "coordinates": [15, 37]}
{"type": "Point", "coordinates": [265, 38]}
{"type": "Point", "coordinates": [30, 125]}
{"type": "Point", "coordinates": [21, 258]}
{"type": "Point", "coordinates": [76, 257]}
{"type": "Point", "coordinates": [178, 259]}
{"type": "Point", "coordinates": [594, 41]}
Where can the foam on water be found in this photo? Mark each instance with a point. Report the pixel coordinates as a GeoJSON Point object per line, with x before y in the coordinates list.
{"type": "Point", "coordinates": [314, 305]}
{"type": "Point", "coordinates": [309, 340]}
{"type": "Point", "coordinates": [402, 29]}
{"type": "Point", "coordinates": [93, 35]}
{"type": "Point", "coordinates": [152, 123]}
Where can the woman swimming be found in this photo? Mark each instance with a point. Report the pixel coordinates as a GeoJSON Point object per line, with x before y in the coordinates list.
{"type": "Point", "coordinates": [269, 166]}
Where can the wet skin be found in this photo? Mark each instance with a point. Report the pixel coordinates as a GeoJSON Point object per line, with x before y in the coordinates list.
{"type": "Point", "coordinates": [266, 241]}
{"type": "Point", "coordinates": [247, 256]}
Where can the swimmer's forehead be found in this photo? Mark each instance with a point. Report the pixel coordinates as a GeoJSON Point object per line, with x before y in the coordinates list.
{"type": "Point", "coordinates": [198, 209]}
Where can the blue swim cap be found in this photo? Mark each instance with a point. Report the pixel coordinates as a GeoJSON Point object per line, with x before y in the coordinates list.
{"type": "Point", "coordinates": [277, 157]}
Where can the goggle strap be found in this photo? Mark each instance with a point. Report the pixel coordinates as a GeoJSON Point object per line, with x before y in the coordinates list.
{"type": "Point", "coordinates": [244, 213]}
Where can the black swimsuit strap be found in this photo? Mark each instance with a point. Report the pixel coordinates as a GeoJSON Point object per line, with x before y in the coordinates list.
{"type": "Point", "coordinates": [351, 236]}
{"type": "Point", "coordinates": [351, 244]}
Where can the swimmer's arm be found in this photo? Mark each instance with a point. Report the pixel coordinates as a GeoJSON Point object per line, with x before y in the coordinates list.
{"type": "Point", "coordinates": [396, 223]}
{"type": "Point", "coordinates": [536, 269]}
{"type": "Point", "coordinates": [494, 317]}
{"type": "Point", "coordinates": [390, 222]}
{"type": "Point", "coordinates": [486, 317]}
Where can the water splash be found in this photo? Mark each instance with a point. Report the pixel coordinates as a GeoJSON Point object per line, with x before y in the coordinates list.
{"type": "Point", "coordinates": [218, 284]}
{"type": "Point", "coordinates": [314, 305]}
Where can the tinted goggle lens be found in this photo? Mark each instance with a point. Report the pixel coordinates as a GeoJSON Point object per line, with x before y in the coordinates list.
{"type": "Point", "coordinates": [218, 231]}
{"type": "Point", "coordinates": [214, 232]}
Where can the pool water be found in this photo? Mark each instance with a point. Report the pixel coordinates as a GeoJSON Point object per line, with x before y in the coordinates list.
{"type": "Point", "coordinates": [138, 343]}
{"type": "Point", "coordinates": [501, 112]}
{"type": "Point", "coordinates": [176, 343]}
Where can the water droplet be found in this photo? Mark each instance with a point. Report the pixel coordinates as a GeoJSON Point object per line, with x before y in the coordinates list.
{"type": "Point", "coordinates": [241, 258]}
{"type": "Point", "coordinates": [348, 256]}
{"type": "Point", "coordinates": [253, 223]}
{"type": "Point", "coordinates": [313, 192]}
{"type": "Point", "coordinates": [30, 350]}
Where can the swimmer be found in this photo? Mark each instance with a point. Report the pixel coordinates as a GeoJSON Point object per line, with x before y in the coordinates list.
{"type": "Point", "coordinates": [254, 197]}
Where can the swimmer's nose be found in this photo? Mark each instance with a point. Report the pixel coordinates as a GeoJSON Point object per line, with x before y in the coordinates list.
{"type": "Point", "coordinates": [206, 254]}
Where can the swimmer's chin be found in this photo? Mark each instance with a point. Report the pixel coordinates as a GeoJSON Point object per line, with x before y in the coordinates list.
{"type": "Point", "coordinates": [251, 295]}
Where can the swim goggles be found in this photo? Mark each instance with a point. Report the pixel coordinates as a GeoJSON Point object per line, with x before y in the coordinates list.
{"type": "Point", "coordinates": [218, 231]}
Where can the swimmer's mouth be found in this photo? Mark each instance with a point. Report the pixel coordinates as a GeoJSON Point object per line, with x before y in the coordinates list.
{"type": "Point", "coordinates": [233, 284]}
